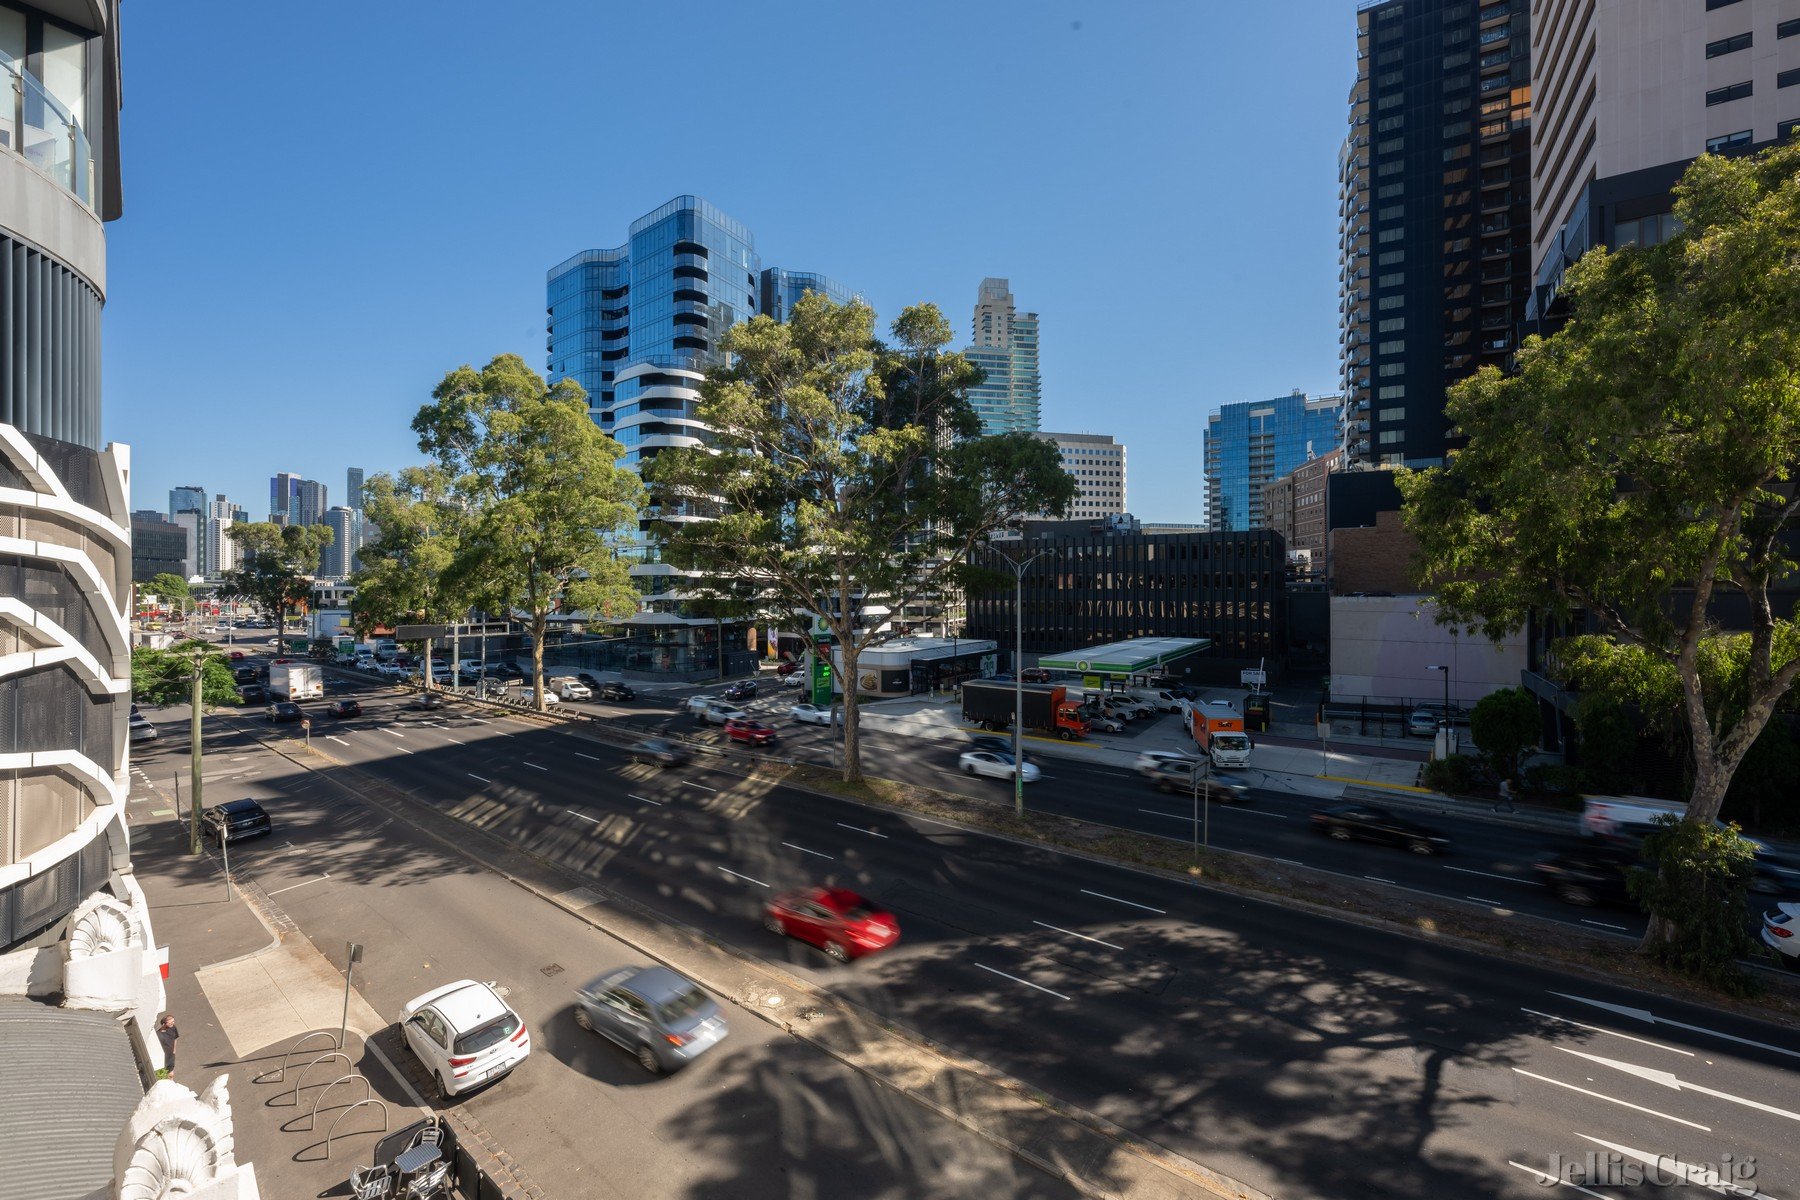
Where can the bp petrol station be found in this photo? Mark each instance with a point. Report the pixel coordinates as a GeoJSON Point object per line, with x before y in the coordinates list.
{"type": "Point", "coordinates": [1130, 663]}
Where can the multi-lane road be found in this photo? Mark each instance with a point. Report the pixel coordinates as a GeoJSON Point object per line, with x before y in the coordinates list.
{"type": "Point", "coordinates": [1303, 1055]}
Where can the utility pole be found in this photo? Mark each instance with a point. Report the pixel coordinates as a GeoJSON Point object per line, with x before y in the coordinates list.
{"type": "Point", "coordinates": [194, 751]}
{"type": "Point", "coordinates": [1019, 567]}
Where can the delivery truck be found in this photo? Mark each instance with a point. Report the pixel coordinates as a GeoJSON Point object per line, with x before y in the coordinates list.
{"type": "Point", "coordinates": [296, 682]}
{"type": "Point", "coordinates": [1047, 708]}
{"type": "Point", "coordinates": [1219, 731]}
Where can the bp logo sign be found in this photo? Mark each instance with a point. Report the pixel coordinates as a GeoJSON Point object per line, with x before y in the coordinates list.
{"type": "Point", "coordinates": [1082, 665]}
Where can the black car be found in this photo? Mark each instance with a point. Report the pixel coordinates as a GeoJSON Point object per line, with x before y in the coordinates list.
{"type": "Point", "coordinates": [505, 670]}
{"type": "Point", "coordinates": [343, 708]}
{"type": "Point", "coordinates": [1371, 823]}
{"type": "Point", "coordinates": [589, 678]}
{"type": "Point", "coordinates": [1593, 875]}
{"type": "Point", "coordinates": [430, 701]}
{"type": "Point", "coordinates": [661, 751]}
{"type": "Point", "coordinates": [244, 674]}
{"type": "Point", "coordinates": [992, 745]}
{"type": "Point", "coordinates": [283, 711]}
{"type": "Point", "coordinates": [253, 693]}
{"type": "Point", "coordinates": [614, 691]}
{"type": "Point", "coordinates": [235, 820]}
{"type": "Point", "coordinates": [1174, 775]}
{"type": "Point", "coordinates": [744, 689]}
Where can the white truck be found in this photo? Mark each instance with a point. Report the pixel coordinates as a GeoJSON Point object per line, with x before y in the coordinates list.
{"type": "Point", "coordinates": [296, 681]}
{"type": "Point", "coordinates": [1625, 816]}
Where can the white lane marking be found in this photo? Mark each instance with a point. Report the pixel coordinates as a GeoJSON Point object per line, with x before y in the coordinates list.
{"type": "Point", "coordinates": [532, 764]}
{"type": "Point", "coordinates": [1026, 982]}
{"type": "Point", "coordinates": [472, 775]}
{"type": "Point", "coordinates": [1549, 1180]}
{"type": "Point", "coordinates": [1379, 879]}
{"type": "Point", "coordinates": [1486, 874]}
{"type": "Point", "coordinates": [583, 816]}
{"type": "Point", "coordinates": [448, 738]}
{"type": "Point", "coordinates": [1258, 812]}
{"type": "Point", "coordinates": [860, 829]}
{"type": "Point", "coordinates": [301, 884]}
{"type": "Point", "coordinates": [729, 871]}
{"type": "Point", "coordinates": [1649, 1017]}
{"type": "Point", "coordinates": [1484, 900]}
{"type": "Point", "coordinates": [1084, 937]}
{"type": "Point", "coordinates": [589, 757]}
{"type": "Point", "coordinates": [1132, 903]}
{"type": "Point", "coordinates": [1699, 1173]}
{"type": "Point", "coordinates": [394, 732]}
{"type": "Point", "coordinates": [1604, 925]}
{"type": "Point", "coordinates": [935, 821]}
{"type": "Point", "coordinates": [804, 850]}
{"type": "Point", "coordinates": [1610, 1033]}
{"type": "Point", "coordinates": [1159, 813]}
{"type": "Point", "coordinates": [1673, 1082]}
{"type": "Point", "coordinates": [1612, 1100]}
{"type": "Point", "coordinates": [1292, 862]}
{"type": "Point", "coordinates": [701, 786]}
{"type": "Point", "coordinates": [644, 799]}
{"type": "Point", "coordinates": [332, 737]}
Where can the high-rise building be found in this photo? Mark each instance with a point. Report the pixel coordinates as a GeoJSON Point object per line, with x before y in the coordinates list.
{"type": "Point", "coordinates": [637, 327]}
{"type": "Point", "coordinates": [1630, 93]}
{"type": "Point", "coordinates": [191, 498]}
{"type": "Point", "coordinates": [353, 483]}
{"type": "Point", "coordinates": [1004, 344]}
{"type": "Point", "coordinates": [221, 551]}
{"type": "Point", "coordinates": [1294, 505]}
{"type": "Point", "coordinates": [193, 553]}
{"type": "Point", "coordinates": [310, 502]}
{"type": "Point", "coordinates": [1434, 214]}
{"type": "Point", "coordinates": [1250, 443]}
{"type": "Point", "coordinates": [158, 546]}
{"type": "Point", "coordinates": [284, 498]}
{"type": "Point", "coordinates": [339, 558]}
{"type": "Point", "coordinates": [1097, 464]}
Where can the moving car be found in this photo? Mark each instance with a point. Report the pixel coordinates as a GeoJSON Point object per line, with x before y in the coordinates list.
{"type": "Point", "coordinates": [141, 728]}
{"type": "Point", "coordinates": [997, 745]}
{"type": "Point", "coordinates": [283, 711]}
{"type": "Point", "coordinates": [836, 920]}
{"type": "Point", "coordinates": [717, 712]}
{"type": "Point", "coordinates": [1371, 823]}
{"type": "Point", "coordinates": [429, 701]}
{"type": "Point", "coordinates": [1150, 761]}
{"type": "Point", "coordinates": [661, 751]}
{"type": "Point", "coordinates": [235, 820]}
{"type": "Point", "coordinates": [464, 1035]}
{"type": "Point", "coordinates": [615, 690]}
{"type": "Point", "coordinates": [697, 705]}
{"type": "Point", "coordinates": [744, 689]}
{"type": "Point", "coordinates": [991, 765]}
{"type": "Point", "coordinates": [236, 655]}
{"type": "Point", "coordinates": [791, 681]}
{"type": "Point", "coordinates": [570, 688]}
{"type": "Point", "coordinates": [253, 693]}
{"type": "Point", "coordinates": [787, 668]}
{"type": "Point", "coordinates": [810, 714]}
{"type": "Point", "coordinates": [1781, 933]}
{"type": "Point", "coordinates": [1185, 777]}
{"type": "Point", "coordinates": [754, 733]}
{"type": "Point", "coordinates": [1592, 875]}
{"type": "Point", "coordinates": [664, 1019]}
{"type": "Point", "coordinates": [343, 708]}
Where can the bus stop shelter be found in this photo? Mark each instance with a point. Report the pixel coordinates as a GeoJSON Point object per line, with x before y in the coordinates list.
{"type": "Point", "coordinates": [1138, 659]}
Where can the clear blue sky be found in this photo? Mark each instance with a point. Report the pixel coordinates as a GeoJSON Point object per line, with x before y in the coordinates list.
{"type": "Point", "coordinates": [327, 206]}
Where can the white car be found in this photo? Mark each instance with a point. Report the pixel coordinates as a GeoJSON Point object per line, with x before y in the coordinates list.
{"type": "Point", "coordinates": [465, 1035]}
{"type": "Point", "coordinates": [1150, 762]}
{"type": "Point", "coordinates": [717, 712]}
{"type": "Point", "coordinates": [393, 670]}
{"type": "Point", "coordinates": [810, 714]}
{"type": "Point", "coordinates": [571, 688]}
{"type": "Point", "coordinates": [994, 765]}
{"type": "Point", "coordinates": [696, 705]}
{"type": "Point", "coordinates": [529, 696]}
{"type": "Point", "coordinates": [141, 728]}
{"type": "Point", "coordinates": [1781, 933]}
{"type": "Point", "coordinates": [1106, 722]}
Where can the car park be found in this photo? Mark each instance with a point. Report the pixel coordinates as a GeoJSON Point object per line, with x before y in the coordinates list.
{"type": "Point", "coordinates": [283, 711]}
{"type": "Point", "coordinates": [664, 1019]}
{"type": "Point", "coordinates": [810, 714]}
{"type": "Point", "coordinates": [464, 1035]}
{"type": "Point", "coordinates": [1594, 874]}
{"type": "Point", "coordinates": [754, 733]}
{"type": "Point", "coordinates": [235, 820]}
{"type": "Point", "coordinates": [1371, 823]}
{"type": "Point", "coordinates": [141, 728]}
{"type": "Point", "coordinates": [1189, 778]}
{"type": "Point", "coordinates": [744, 689]}
{"type": "Point", "coordinates": [1781, 933]}
{"type": "Point", "coordinates": [343, 708]}
{"type": "Point", "coordinates": [990, 765]}
{"type": "Point", "coordinates": [661, 751]}
{"type": "Point", "coordinates": [614, 690]}
{"type": "Point", "coordinates": [836, 920]}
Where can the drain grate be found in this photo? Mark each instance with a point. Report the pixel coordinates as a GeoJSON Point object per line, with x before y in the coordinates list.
{"type": "Point", "coordinates": [552, 970]}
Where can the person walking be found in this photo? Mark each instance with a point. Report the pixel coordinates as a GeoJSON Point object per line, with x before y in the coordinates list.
{"type": "Point", "coordinates": [168, 1035]}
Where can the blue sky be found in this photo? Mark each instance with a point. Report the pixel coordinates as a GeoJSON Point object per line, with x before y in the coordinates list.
{"type": "Point", "coordinates": [328, 206]}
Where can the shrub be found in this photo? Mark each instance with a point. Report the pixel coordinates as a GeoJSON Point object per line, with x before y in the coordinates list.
{"type": "Point", "coordinates": [1699, 923]}
{"type": "Point", "coordinates": [1505, 724]}
{"type": "Point", "coordinates": [1455, 775]}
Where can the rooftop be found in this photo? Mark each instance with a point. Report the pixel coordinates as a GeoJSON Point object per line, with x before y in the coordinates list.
{"type": "Point", "coordinates": [1126, 658]}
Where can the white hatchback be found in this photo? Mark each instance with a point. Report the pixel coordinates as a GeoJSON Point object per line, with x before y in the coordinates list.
{"type": "Point", "coordinates": [465, 1035]}
{"type": "Point", "coordinates": [810, 714]}
{"type": "Point", "coordinates": [994, 765]}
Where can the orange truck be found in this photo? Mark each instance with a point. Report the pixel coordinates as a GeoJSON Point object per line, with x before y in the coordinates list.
{"type": "Point", "coordinates": [1220, 732]}
{"type": "Point", "coordinates": [1047, 709]}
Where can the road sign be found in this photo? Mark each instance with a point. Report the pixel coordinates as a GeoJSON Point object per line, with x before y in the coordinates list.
{"type": "Point", "coordinates": [1253, 677]}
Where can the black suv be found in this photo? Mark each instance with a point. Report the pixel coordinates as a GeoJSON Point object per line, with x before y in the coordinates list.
{"type": "Point", "coordinates": [235, 820]}
{"type": "Point", "coordinates": [744, 689]}
{"type": "Point", "coordinates": [614, 691]}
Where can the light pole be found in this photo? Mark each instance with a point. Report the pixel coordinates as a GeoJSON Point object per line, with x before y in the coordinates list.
{"type": "Point", "coordinates": [1019, 567]}
{"type": "Point", "coordinates": [1444, 717]}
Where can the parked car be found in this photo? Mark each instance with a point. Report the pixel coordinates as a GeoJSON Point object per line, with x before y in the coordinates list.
{"type": "Point", "coordinates": [1034, 675]}
{"type": "Point", "coordinates": [1781, 933]}
{"type": "Point", "coordinates": [253, 693]}
{"type": "Point", "coordinates": [1150, 761]}
{"type": "Point", "coordinates": [236, 655]}
{"type": "Point", "coordinates": [283, 711]}
{"type": "Point", "coordinates": [614, 690]}
{"type": "Point", "coordinates": [464, 1035]}
{"type": "Point", "coordinates": [754, 733]}
{"type": "Point", "coordinates": [529, 696]}
{"type": "Point", "coordinates": [991, 765]}
{"type": "Point", "coordinates": [1371, 823]}
{"type": "Point", "coordinates": [1426, 718]}
{"type": "Point", "coordinates": [141, 728]}
{"type": "Point", "coordinates": [743, 689]}
{"type": "Point", "coordinates": [428, 701]}
{"type": "Point", "coordinates": [235, 820]}
{"type": "Point", "coordinates": [661, 751]}
{"type": "Point", "coordinates": [568, 687]}
{"type": "Point", "coordinates": [791, 681]}
{"type": "Point", "coordinates": [717, 712]}
{"type": "Point", "coordinates": [1101, 721]}
{"type": "Point", "coordinates": [787, 668]}
{"type": "Point", "coordinates": [1180, 777]}
{"type": "Point", "coordinates": [390, 670]}
{"type": "Point", "coordinates": [810, 714]}
{"type": "Point", "coordinates": [663, 1018]}
{"type": "Point", "coordinates": [1594, 874]}
{"type": "Point", "coordinates": [343, 708]}
{"type": "Point", "coordinates": [836, 920]}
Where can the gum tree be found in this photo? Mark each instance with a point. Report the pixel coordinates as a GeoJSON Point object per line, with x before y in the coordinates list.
{"type": "Point", "coordinates": [278, 564]}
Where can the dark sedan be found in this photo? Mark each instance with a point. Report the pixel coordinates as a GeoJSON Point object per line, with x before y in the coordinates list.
{"type": "Point", "coordinates": [253, 693]}
{"type": "Point", "coordinates": [615, 691]}
{"type": "Point", "coordinates": [1172, 775]}
{"type": "Point", "coordinates": [235, 820]}
{"type": "Point", "coordinates": [343, 708]}
{"type": "Point", "coordinates": [660, 751]}
{"type": "Point", "coordinates": [1592, 875]}
{"type": "Point", "coordinates": [1371, 823]}
{"type": "Point", "coordinates": [744, 689]}
{"type": "Point", "coordinates": [283, 711]}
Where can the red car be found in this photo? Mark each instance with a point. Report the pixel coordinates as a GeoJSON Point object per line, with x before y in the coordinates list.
{"type": "Point", "coordinates": [787, 668]}
{"type": "Point", "coordinates": [754, 732]}
{"type": "Point", "coordinates": [236, 655]}
{"type": "Point", "coordinates": [279, 661]}
{"type": "Point", "coordinates": [836, 920]}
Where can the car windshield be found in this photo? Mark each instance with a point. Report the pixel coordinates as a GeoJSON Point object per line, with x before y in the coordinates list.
{"type": "Point", "coordinates": [681, 1007]}
{"type": "Point", "coordinates": [656, 745]}
{"type": "Point", "coordinates": [1231, 741]}
{"type": "Point", "coordinates": [483, 1037]}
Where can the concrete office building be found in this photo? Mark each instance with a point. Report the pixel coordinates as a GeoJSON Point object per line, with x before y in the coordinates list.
{"type": "Point", "coordinates": [311, 501]}
{"type": "Point", "coordinates": [1295, 507]}
{"type": "Point", "coordinates": [1005, 346]}
{"type": "Point", "coordinates": [339, 558]}
{"type": "Point", "coordinates": [1630, 92]}
{"type": "Point", "coordinates": [193, 553]}
{"type": "Point", "coordinates": [158, 546]}
{"type": "Point", "coordinates": [1097, 464]}
{"type": "Point", "coordinates": [1248, 444]}
{"type": "Point", "coordinates": [1434, 214]}
{"type": "Point", "coordinates": [221, 551]}
{"type": "Point", "coordinates": [284, 495]}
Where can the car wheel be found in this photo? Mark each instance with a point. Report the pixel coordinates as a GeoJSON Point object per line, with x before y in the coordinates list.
{"type": "Point", "coordinates": [1066, 734]}
{"type": "Point", "coordinates": [1790, 961]}
{"type": "Point", "coordinates": [968, 770]}
{"type": "Point", "coordinates": [773, 924]}
{"type": "Point", "coordinates": [1574, 893]}
{"type": "Point", "coordinates": [443, 1089]}
{"type": "Point", "coordinates": [582, 1019]}
{"type": "Point", "coordinates": [1421, 846]}
{"type": "Point", "coordinates": [1339, 833]}
{"type": "Point", "coordinates": [837, 951]}
{"type": "Point", "coordinates": [647, 1059]}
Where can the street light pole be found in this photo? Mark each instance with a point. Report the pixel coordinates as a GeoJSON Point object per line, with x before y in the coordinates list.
{"type": "Point", "coordinates": [1444, 716]}
{"type": "Point", "coordinates": [1019, 567]}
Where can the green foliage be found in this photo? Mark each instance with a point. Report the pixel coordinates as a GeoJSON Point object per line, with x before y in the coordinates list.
{"type": "Point", "coordinates": [1640, 462]}
{"type": "Point", "coordinates": [1699, 923]}
{"type": "Point", "coordinates": [1454, 775]}
{"type": "Point", "coordinates": [406, 574]}
{"type": "Point", "coordinates": [171, 589]}
{"type": "Point", "coordinates": [166, 676]}
{"type": "Point", "coordinates": [1505, 725]}
{"type": "Point", "coordinates": [847, 469]}
{"type": "Point", "coordinates": [278, 563]}
{"type": "Point", "coordinates": [1763, 798]}
{"type": "Point", "coordinates": [1554, 783]}
{"type": "Point", "coordinates": [1609, 738]}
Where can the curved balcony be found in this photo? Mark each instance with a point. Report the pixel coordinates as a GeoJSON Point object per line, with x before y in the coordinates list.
{"type": "Point", "coordinates": [680, 365]}
{"type": "Point", "coordinates": [36, 126]}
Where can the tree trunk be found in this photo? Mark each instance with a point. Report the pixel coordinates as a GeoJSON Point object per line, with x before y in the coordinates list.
{"type": "Point", "coordinates": [1711, 780]}
{"type": "Point", "coordinates": [539, 623]}
{"type": "Point", "coordinates": [852, 731]}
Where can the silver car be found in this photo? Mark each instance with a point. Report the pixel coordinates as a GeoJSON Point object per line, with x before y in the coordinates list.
{"type": "Point", "coordinates": [664, 1019]}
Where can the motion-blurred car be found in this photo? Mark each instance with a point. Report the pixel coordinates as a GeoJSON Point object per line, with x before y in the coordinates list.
{"type": "Point", "coordinates": [664, 1019]}
{"type": "Point", "coordinates": [661, 751]}
{"type": "Point", "coordinates": [431, 701]}
{"type": "Point", "coordinates": [836, 920]}
{"type": "Point", "coordinates": [753, 733]}
{"type": "Point", "coordinates": [529, 696]}
{"type": "Point", "coordinates": [1594, 874]}
{"type": "Point", "coordinates": [990, 765]}
{"type": "Point", "coordinates": [464, 1035]}
{"type": "Point", "coordinates": [994, 745]}
{"type": "Point", "coordinates": [717, 712]}
{"type": "Point", "coordinates": [1150, 761]}
{"type": "Point", "coordinates": [236, 655]}
{"type": "Point", "coordinates": [787, 668]}
{"type": "Point", "coordinates": [810, 714]}
{"type": "Point", "coordinates": [743, 689]}
{"type": "Point", "coordinates": [343, 708]}
{"type": "Point", "coordinates": [235, 820]}
{"type": "Point", "coordinates": [614, 690]}
{"type": "Point", "coordinates": [1781, 933]}
{"type": "Point", "coordinates": [141, 728]}
{"type": "Point", "coordinates": [1186, 778]}
{"type": "Point", "coordinates": [283, 711]}
{"type": "Point", "coordinates": [1371, 823]}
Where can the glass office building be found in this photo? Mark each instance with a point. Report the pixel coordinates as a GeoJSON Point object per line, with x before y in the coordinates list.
{"type": "Point", "coordinates": [1005, 347]}
{"type": "Point", "coordinates": [1250, 444]}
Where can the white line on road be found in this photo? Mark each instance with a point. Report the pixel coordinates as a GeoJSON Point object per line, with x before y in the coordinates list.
{"type": "Point", "coordinates": [804, 850]}
{"type": "Point", "coordinates": [394, 732]}
{"type": "Point", "coordinates": [1293, 862]}
{"type": "Point", "coordinates": [1613, 1100]}
{"type": "Point", "coordinates": [701, 786]}
{"type": "Point", "coordinates": [1026, 982]}
{"type": "Point", "coordinates": [1379, 879]}
{"type": "Point", "coordinates": [1259, 812]}
{"type": "Point", "coordinates": [301, 884]}
{"type": "Point", "coordinates": [734, 874]}
{"type": "Point", "coordinates": [1610, 1033]}
{"type": "Point", "coordinates": [1675, 1083]}
{"type": "Point", "coordinates": [1604, 925]}
{"type": "Point", "coordinates": [1084, 937]}
{"type": "Point", "coordinates": [860, 829]}
{"type": "Point", "coordinates": [1159, 813]}
{"type": "Point", "coordinates": [643, 799]}
{"type": "Point", "coordinates": [1649, 1017]}
{"type": "Point", "coordinates": [1487, 874]}
{"type": "Point", "coordinates": [532, 764]}
{"type": "Point", "coordinates": [589, 757]}
{"type": "Point", "coordinates": [448, 738]}
{"type": "Point", "coordinates": [1132, 903]}
{"type": "Point", "coordinates": [1549, 1180]}
{"type": "Point", "coordinates": [332, 737]}
{"type": "Point", "coordinates": [583, 816]}
{"type": "Point", "coordinates": [935, 821]}
{"type": "Point", "coordinates": [472, 775]}
{"type": "Point", "coordinates": [1483, 900]}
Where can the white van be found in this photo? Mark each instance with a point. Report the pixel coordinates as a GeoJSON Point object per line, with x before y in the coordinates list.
{"type": "Point", "coordinates": [1160, 699]}
{"type": "Point", "coordinates": [1625, 816]}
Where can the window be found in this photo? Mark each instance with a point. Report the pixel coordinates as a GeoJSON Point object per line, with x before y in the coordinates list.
{"type": "Point", "coordinates": [1392, 258]}
{"type": "Point", "coordinates": [1391, 191]}
{"type": "Point", "coordinates": [1786, 129]}
{"type": "Point", "coordinates": [1391, 325]}
{"type": "Point", "coordinates": [1390, 235]}
{"type": "Point", "coordinates": [1395, 279]}
{"type": "Point", "coordinates": [1728, 141]}
{"type": "Point", "coordinates": [1389, 124]}
{"type": "Point", "coordinates": [1730, 45]}
{"type": "Point", "coordinates": [1389, 100]}
{"type": "Point", "coordinates": [1391, 414]}
{"type": "Point", "coordinates": [1392, 144]}
{"type": "Point", "coordinates": [1452, 61]}
{"type": "Point", "coordinates": [1788, 28]}
{"type": "Point", "coordinates": [1388, 79]}
{"type": "Point", "coordinates": [1391, 212]}
{"type": "Point", "coordinates": [1388, 302]}
{"type": "Point", "coordinates": [1390, 436]}
{"type": "Point", "coordinates": [1397, 346]}
{"type": "Point", "coordinates": [1390, 168]}
{"type": "Point", "coordinates": [1726, 95]}
{"type": "Point", "coordinates": [1787, 78]}
{"type": "Point", "coordinates": [1452, 107]}
{"type": "Point", "coordinates": [1393, 391]}
{"type": "Point", "coordinates": [1712, 4]}
{"type": "Point", "coordinates": [1388, 370]}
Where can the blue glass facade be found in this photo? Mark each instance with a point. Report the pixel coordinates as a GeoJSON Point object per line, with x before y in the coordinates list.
{"type": "Point", "coordinates": [1005, 347]}
{"type": "Point", "coordinates": [1249, 444]}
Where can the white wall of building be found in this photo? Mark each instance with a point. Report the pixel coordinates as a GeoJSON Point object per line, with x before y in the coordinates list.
{"type": "Point", "coordinates": [1383, 648]}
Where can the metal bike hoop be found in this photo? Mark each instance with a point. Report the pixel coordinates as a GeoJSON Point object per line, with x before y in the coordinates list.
{"type": "Point", "coordinates": [312, 1118]}
{"type": "Point", "coordinates": [281, 1076]}
{"type": "Point", "coordinates": [332, 1132]}
{"type": "Point", "coordinates": [326, 1057]}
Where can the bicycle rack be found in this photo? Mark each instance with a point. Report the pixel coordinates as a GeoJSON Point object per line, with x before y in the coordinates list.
{"type": "Point", "coordinates": [281, 1077]}
{"type": "Point", "coordinates": [326, 1057]}
{"type": "Point", "coordinates": [312, 1118]}
{"type": "Point", "coordinates": [332, 1132]}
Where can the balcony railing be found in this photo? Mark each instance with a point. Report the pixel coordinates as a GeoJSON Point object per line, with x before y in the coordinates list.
{"type": "Point", "coordinates": [35, 125]}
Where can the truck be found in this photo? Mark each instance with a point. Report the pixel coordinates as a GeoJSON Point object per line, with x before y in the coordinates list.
{"type": "Point", "coordinates": [1047, 708]}
{"type": "Point", "coordinates": [1219, 730]}
{"type": "Point", "coordinates": [296, 681]}
{"type": "Point", "coordinates": [1625, 816]}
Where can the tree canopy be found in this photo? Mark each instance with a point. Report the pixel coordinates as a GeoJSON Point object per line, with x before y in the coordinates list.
{"type": "Point", "coordinates": [169, 588]}
{"type": "Point", "coordinates": [407, 572]}
{"type": "Point", "coordinates": [166, 676]}
{"type": "Point", "coordinates": [277, 565]}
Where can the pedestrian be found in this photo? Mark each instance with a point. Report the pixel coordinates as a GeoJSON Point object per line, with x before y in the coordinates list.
{"type": "Point", "coordinates": [168, 1035]}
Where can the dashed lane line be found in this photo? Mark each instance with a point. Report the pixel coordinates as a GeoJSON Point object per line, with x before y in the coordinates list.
{"type": "Point", "coordinates": [1131, 903]}
{"type": "Point", "coordinates": [1040, 987]}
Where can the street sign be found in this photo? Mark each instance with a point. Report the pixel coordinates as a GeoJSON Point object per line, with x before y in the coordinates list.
{"type": "Point", "coordinates": [418, 633]}
{"type": "Point", "coordinates": [1253, 677]}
